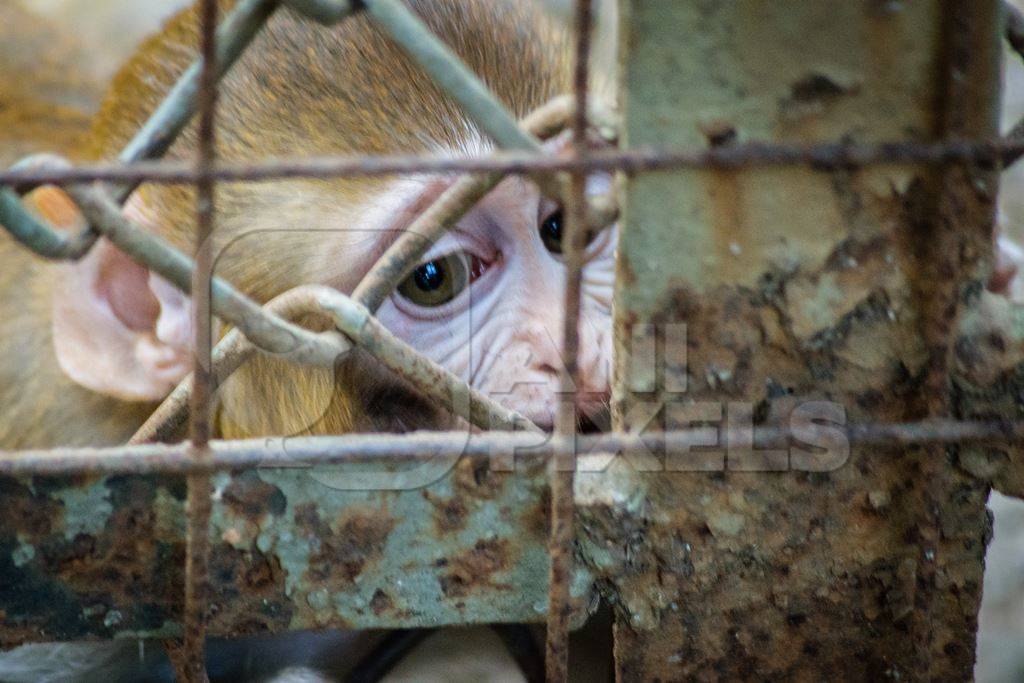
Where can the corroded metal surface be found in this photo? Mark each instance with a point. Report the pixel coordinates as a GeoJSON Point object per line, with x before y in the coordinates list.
{"type": "Point", "coordinates": [796, 290]}
{"type": "Point", "coordinates": [104, 557]}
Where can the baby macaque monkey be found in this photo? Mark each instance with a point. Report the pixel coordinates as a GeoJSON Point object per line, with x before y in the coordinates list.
{"type": "Point", "coordinates": [486, 302]}
{"type": "Point", "coordinates": [100, 341]}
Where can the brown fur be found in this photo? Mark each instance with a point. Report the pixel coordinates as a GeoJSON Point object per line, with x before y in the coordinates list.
{"type": "Point", "coordinates": [45, 105]}
{"type": "Point", "coordinates": [306, 90]}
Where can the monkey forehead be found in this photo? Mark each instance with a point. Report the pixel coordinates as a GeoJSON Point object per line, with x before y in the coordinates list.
{"type": "Point", "coordinates": [352, 89]}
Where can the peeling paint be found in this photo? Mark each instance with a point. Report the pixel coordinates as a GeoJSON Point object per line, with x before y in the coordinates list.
{"type": "Point", "coordinates": [288, 552]}
{"type": "Point", "coordinates": [87, 509]}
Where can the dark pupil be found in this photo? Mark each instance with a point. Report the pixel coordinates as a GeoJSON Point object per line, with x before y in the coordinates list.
{"type": "Point", "coordinates": [551, 232]}
{"type": "Point", "coordinates": [429, 277]}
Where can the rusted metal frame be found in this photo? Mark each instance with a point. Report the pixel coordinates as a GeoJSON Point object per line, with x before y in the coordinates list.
{"type": "Point", "coordinates": [956, 256]}
{"type": "Point", "coordinates": [825, 157]}
{"type": "Point", "coordinates": [242, 454]}
{"type": "Point", "coordinates": [191, 665]}
{"type": "Point", "coordinates": [562, 466]}
{"type": "Point", "coordinates": [701, 630]}
{"type": "Point", "coordinates": [294, 548]}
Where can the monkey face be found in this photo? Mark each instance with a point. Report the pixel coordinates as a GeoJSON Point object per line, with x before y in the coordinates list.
{"type": "Point", "coordinates": [487, 303]}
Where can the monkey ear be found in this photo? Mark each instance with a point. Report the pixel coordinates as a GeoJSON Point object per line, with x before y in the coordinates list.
{"type": "Point", "coordinates": [118, 329]}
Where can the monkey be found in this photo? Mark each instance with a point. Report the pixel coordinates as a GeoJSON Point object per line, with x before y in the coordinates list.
{"type": "Point", "coordinates": [295, 93]}
{"type": "Point", "coordinates": [102, 340]}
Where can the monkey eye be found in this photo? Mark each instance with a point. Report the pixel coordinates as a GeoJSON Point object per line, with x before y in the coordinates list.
{"type": "Point", "coordinates": [552, 231]}
{"type": "Point", "coordinates": [440, 280]}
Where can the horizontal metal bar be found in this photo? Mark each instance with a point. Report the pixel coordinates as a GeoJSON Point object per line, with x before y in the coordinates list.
{"type": "Point", "coordinates": [430, 446]}
{"type": "Point", "coordinates": [823, 157]}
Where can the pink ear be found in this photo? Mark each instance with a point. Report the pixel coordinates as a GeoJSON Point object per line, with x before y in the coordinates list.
{"type": "Point", "coordinates": [118, 329]}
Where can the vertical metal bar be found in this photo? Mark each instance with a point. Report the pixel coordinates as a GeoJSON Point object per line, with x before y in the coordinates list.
{"type": "Point", "coordinates": [562, 465]}
{"type": "Point", "coordinates": [955, 256]}
{"type": "Point", "coordinates": [199, 489]}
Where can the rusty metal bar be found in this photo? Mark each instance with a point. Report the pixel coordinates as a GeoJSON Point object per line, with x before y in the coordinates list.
{"type": "Point", "coordinates": [825, 157]}
{"type": "Point", "coordinates": [199, 503]}
{"type": "Point", "coordinates": [390, 448]}
{"type": "Point", "coordinates": [562, 466]}
{"type": "Point", "coordinates": [955, 256]}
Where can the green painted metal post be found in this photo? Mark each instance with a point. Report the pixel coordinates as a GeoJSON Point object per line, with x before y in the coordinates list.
{"type": "Point", "coordinates": [794, 296]}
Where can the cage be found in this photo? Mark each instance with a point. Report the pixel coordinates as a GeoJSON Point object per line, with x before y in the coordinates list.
{"type": "Point", "coordinates": [813, 390]}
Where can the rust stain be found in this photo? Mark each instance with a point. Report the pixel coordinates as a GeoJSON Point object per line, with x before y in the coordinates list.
{"type": "Point", "coordinates": [248, 592]}
{"type": "Point", "coordinates": [473, 477]}
{"type": "Point", "coordinates": [449, 514]}
{"type": "Point", "coordinates": [381, 602]}
{"type": "Point", "coordinates": [473, 569]}
{"type": "Point", "coordinates": [343, 554]}
{"type": "Point", "coordinates": [249, 496]}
